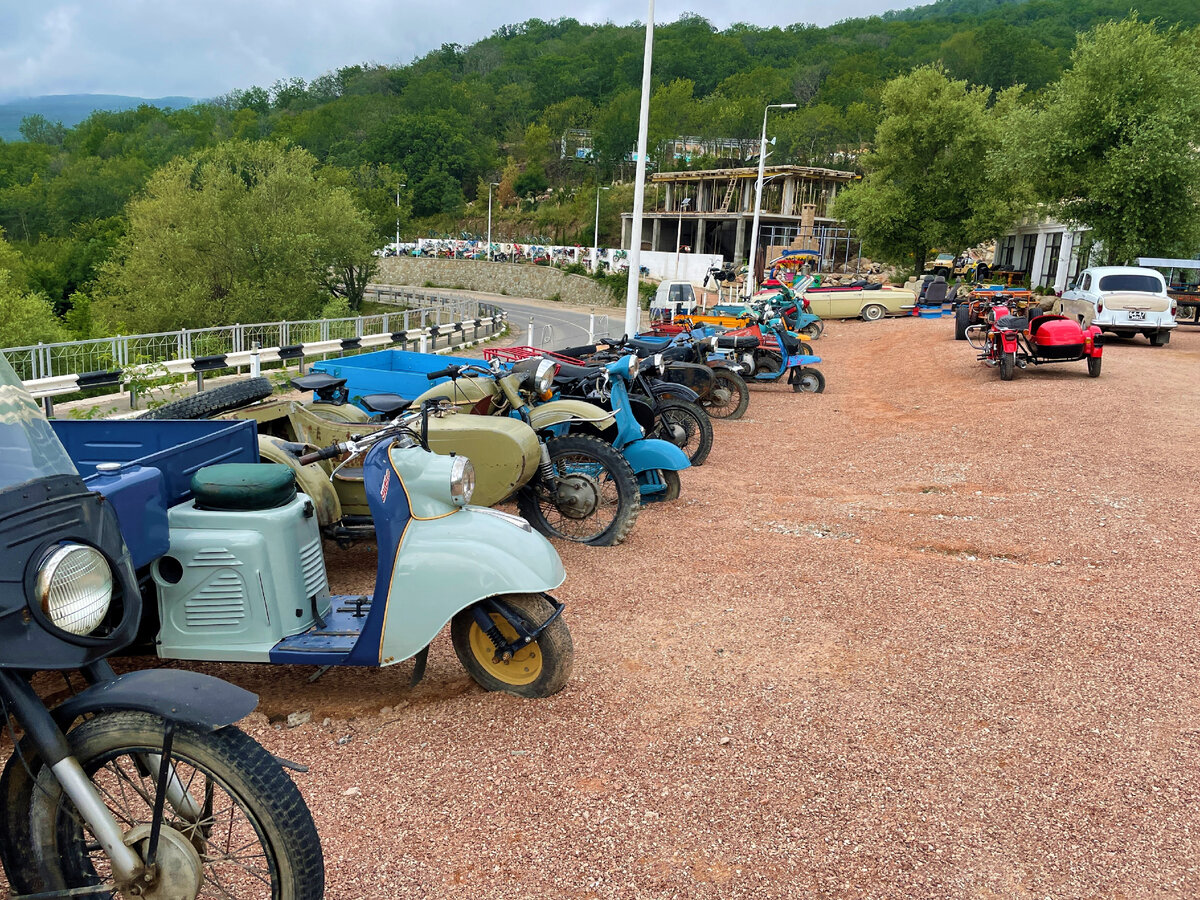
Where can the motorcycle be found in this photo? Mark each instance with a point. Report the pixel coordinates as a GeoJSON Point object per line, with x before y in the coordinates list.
{"type": "Point", "coordinates": [1008, 342]}
{"type": "Point", "coordinates": [139, 784]}
{"type": "Point", "coordinates": [769, 358]}
{"type": "Point", "coordinates": [648, 458]}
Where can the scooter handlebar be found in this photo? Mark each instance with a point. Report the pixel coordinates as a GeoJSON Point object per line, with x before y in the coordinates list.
{"type": "Point", "coordinates": [448, 372]}
{"type": "Point", "coordinates": [324, 453]}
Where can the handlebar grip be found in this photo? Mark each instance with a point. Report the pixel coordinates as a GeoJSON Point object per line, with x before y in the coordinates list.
{"type": "Point", "coordinates": [324, 453]}
{"type": "Point", "coordinates": [448, 372]}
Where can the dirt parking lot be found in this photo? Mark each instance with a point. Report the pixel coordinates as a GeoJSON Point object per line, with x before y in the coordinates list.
{"type": "Point", "coordinates": [928, 634]}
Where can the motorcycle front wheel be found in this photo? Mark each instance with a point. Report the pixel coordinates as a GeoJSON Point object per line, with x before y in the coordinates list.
{"type": "Point", "coordinates": [596, 500]}
{"type": "Point", "coordinates": [245, 832]}
{"type": "Point", "coordinates": [536, 670]}
{"type": "Point", "coordinates": [728, 384]}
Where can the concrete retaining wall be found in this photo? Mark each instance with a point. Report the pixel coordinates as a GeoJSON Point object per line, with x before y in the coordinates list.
{"type": "Point", "coordinates": [516, 280]}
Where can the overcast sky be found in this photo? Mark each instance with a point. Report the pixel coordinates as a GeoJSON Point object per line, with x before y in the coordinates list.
{"type": "Point", "coordinates": [202, 48]}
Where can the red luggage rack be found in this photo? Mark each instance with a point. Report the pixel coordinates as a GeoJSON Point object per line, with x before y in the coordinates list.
{"type": "Point", "coordinates": [514, 354]}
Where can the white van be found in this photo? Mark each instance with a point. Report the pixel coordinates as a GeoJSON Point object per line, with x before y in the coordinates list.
{"type": "Point", "coordinates": [1123, 300]}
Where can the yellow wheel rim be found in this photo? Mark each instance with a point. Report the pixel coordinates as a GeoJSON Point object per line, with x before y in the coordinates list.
{"type": "Point", "coordinates": [523, 668]}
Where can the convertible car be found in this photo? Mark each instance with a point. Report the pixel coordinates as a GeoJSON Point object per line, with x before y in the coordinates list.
{"type": "Point", "coordinates": [859, 300]}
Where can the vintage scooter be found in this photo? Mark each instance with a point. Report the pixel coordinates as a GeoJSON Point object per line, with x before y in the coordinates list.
{"type": "Point", "coordinates": [246, 533]}
{"type": "Point", "coordinates": [770, 357]}
{"type": "Point", "coordinates": [139, 784]}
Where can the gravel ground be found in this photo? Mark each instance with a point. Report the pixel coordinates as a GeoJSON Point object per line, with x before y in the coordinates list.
{"type": "Point", "coordinates": [926, 634]}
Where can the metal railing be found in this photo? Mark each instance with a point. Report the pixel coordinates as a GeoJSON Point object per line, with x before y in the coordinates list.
{"type": "Point", "coordinates": [34, 362]}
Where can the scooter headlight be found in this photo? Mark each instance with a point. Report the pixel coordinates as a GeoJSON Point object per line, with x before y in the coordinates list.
{"type": "Point", "coordinates": [660, 363]}
{"type": "Point", "coordinates": [75, 587]}
{"type": "Point", "coordinates": [543, 378]}
{"type": "Point", "coordinates": [632, 365]}
{"type": "Point", "coordinates": [462, 481]}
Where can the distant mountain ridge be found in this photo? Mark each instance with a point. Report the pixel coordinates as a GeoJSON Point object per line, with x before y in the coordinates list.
{"type": "Point", "coordinates": [71, 109]}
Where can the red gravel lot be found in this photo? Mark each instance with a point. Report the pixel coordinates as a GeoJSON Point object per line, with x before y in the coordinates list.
{"type": "Point", "coordinates": [928, 634]}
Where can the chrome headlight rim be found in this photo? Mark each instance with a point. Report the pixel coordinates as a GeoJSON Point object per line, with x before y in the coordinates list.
{"type": "Point", "coordinates": [632, 363]}
{"type": "Point", "coordinates": [50, 611]}
{"type": "Point", "coordinates": [462, 481]}
{"type": "Point", "coordinates": [659, 363]}
{"type": "Point", "coordinates": [543, 376]}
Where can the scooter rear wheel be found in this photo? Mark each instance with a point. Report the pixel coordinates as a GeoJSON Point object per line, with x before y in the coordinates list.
{"type": "Point", "coordinates": [536, 670]}
{"type": "Point", "coordinates": [685, 425]}
{"type": "Point", "coordinates": [739, 395]}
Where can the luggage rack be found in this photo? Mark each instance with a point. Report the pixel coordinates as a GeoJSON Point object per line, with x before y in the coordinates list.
{"type": "Point", "coordinates": [515, 354]}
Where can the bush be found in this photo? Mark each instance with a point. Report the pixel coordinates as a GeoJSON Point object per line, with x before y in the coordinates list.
{"type": "Point", "coordinates": [556, 297]}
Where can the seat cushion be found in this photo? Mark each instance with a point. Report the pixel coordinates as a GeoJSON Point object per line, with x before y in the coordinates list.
{"type": "Point", "coordinates": [235, 487]}
{"type": "Point", "coordinates": [388, 404]}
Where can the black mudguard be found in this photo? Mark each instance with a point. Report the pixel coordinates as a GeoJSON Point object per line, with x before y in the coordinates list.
{"type": "Point", "coordinates": [190, 698]}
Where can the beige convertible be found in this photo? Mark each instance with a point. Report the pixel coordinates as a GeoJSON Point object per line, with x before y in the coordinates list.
{"type": "Point", "coordinates": [870, 302]}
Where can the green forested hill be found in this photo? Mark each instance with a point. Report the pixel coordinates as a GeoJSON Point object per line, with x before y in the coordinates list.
{"type": "Point", "coordinates": [460, 117]}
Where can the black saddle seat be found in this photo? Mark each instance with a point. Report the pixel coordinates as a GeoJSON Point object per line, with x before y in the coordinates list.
{"type": "Point", "coordinates": [317, 382]}
{"type": "Point", "coordinates": [568, 372]}
{"type": "Point", "coordinates": [736, 342]}
{"type": "Point", "coordinates": [1012, 323]}
{"type": "Point", "coordinates": [646, 348]}
{"type": "Point", "coordinates": [388, 404]}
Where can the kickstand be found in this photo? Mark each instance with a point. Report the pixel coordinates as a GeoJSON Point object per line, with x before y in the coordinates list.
{"type": "Point", "coordinates": [317, 674]}
{"type": "Point", "coordinates": [418, 672]}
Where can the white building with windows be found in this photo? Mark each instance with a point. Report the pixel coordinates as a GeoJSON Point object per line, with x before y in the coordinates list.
{"type": "Point", "coordinates": [1048, 253]}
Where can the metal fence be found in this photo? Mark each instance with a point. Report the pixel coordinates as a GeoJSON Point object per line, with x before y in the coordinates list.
{"type": "Point", "coordinates": [40, 361]}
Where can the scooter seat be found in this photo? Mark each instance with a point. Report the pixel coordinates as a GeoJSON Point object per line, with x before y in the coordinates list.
{"type": "Point", "coordinates": [388, 404]}
{"type": "Point", "coordinates": [568, 373]}
{"type": "Point", "coordinates": [736, 342]}
{"type": "Point", "coordinates": [317, 381]}
{"type": "Point", "coordinates": [647, 347]}
{"type": "Point", "coordinates": [241, 487]}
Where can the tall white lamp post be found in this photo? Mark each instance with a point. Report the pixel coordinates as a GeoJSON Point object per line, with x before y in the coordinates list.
{"type": "Point", "coordinates": [398, 217]}
{"type": "Point", "coordinates": [758, 186]}
{"type": "Point", "coordinates": [491, 184]}
{"type": "Point", "coordinates": [596, 231]}
{"type": "Point", "coordinates": [633, 314]}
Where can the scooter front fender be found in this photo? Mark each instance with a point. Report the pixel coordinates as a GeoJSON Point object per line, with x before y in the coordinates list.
{"type": "Point", "coordinates": [447, 564]}
{"type": "Point", "coordinates": [653, 453]}
{"type": "Point", "coordinates": [557, 412]}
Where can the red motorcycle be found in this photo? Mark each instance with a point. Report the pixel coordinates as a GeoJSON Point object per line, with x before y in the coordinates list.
{"type": "Point", "coordinates": [1009, 342]}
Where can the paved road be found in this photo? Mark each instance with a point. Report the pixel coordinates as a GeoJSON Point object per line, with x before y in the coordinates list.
{"type": "Point", "coordinates": [552, 328]}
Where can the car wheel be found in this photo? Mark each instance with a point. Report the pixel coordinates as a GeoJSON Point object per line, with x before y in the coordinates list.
{"type": "Point", "coordinates": [873, 312]}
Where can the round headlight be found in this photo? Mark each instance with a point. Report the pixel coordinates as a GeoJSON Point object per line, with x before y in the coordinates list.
{"type": "Point", "coordinates": [632, 360]}
{"type": "Point", "coordinates": [659, 363]}
{"type": "Point", "coordinates": [462, 481]}
{"type": "Point", "coordinates": [75, 587]}
{"type": "Point", "coordinates": [543, 378]}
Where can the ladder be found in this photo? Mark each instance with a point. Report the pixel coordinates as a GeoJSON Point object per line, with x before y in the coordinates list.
{"type": "Point", "coordinates": [729, 194]}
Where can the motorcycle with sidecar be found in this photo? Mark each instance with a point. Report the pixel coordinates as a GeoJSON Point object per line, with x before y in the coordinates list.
{"type": "Point", "coordinates": [138, 784]}
{"type": "Point", "coordinates": [1009, 342]}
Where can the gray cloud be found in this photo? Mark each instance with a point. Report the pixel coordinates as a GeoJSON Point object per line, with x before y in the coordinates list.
{"type": "Point", "coordinates": [152, 48]}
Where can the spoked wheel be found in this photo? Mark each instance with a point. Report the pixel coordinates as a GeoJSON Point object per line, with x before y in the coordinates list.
{"type": "Point", "coordinates": [685, 425]}
{"type": "Point", "coordinates": [233, 825]}
{"type": "Point", "coordinates": [730, 396]}
{"type": "Point", "coordinates": [596, 500]}
{"type": "Point", "coordinates": [536, 670]}
{"type": "Point", "coordinates": [809, 381]}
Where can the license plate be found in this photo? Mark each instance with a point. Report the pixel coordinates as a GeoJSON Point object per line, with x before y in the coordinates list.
{"type": "Point", "coordinates": [1136, 315]}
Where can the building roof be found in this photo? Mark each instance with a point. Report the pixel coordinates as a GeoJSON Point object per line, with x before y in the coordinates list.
{"type": "Point", "coordinates": [752, 172]}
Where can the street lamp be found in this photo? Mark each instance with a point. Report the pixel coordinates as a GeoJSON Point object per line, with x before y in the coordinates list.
{"type": "Point", "coordinates": [683, 204]}
{"type": "Point", "coordinates": [398, 218]}
{"type": "Point", "coordinates": [758, 186]}
{"type": "Point", "coordinates": [633, 313]}
{"type": "Point", "coordinates": [596, 230]}
{"type": "Point", "coordinates": [491, 184]}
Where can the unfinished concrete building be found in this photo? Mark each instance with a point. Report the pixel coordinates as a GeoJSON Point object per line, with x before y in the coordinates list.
{"type": "Point", "coordinates": [712, 211]}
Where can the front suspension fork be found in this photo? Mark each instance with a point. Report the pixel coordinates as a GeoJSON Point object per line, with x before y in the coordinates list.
{"type": "Point", "coordinates": [483, 611]}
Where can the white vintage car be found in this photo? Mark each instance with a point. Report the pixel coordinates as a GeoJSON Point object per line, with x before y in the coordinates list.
{"type": "Point", "coordinates": [1123, 300]}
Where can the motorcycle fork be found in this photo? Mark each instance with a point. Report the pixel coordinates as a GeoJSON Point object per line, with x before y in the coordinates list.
{"type": "Point", "coordinates": [482, 613]}
{"type": "Point", "coordinates": [52, 746]}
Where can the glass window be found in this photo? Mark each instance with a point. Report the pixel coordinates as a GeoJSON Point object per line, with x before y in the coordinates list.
{"type": "Point", "coordinates": [1087, 282]}
{"type": "Point", "coordinates": [1028, 246]}
{"type": "Point", "coordinates": [1145, 283]}
{"type": "Point", "coordinates": [1050, 258]}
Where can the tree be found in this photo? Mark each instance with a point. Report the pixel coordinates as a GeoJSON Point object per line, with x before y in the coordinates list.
{"type": "Point", "coordinates": [1115, 144]}
{"type": "Point", "coordinates": [37, 129]}
{"type": "Point", "coordinates": [243, 232]}
{"type": "Point", "coordinates": [937, 177]}
{"type": "Point", "coordinates": [26, 317]}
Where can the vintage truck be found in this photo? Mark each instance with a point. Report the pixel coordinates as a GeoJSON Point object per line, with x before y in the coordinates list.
{"type": "Point", "coordinates": [1123, 300]}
